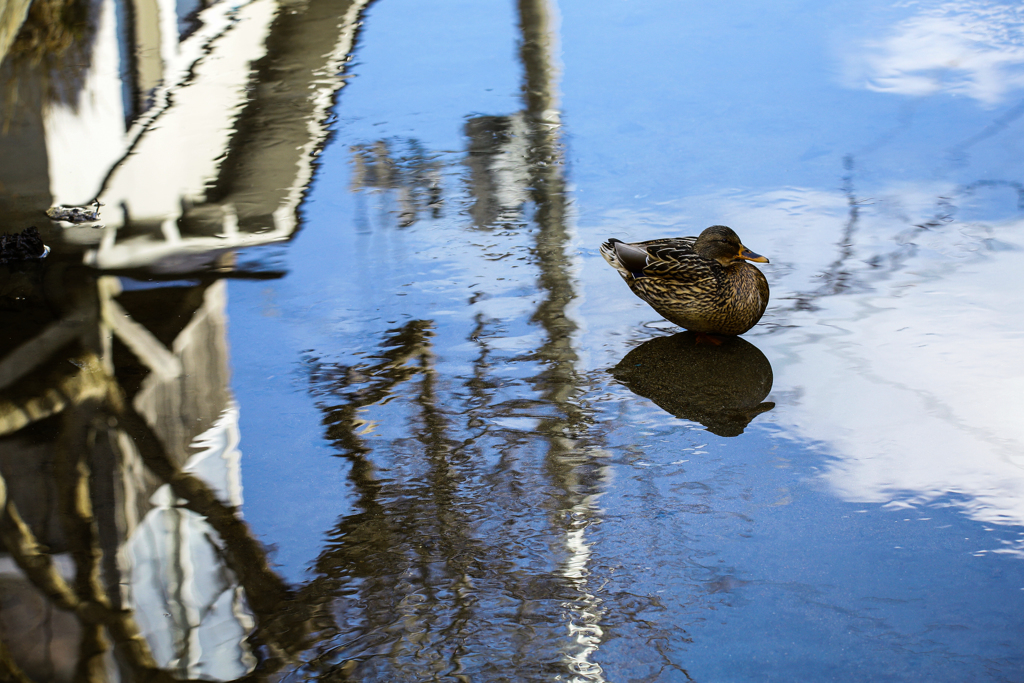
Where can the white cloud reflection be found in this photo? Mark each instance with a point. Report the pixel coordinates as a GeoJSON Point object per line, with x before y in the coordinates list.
{"type": "Point", "coordinates": [912, 377]}
{"type": "Point", "coordinates": [909, 380]}
{"type": "Point", "coordinates": [973, 49]}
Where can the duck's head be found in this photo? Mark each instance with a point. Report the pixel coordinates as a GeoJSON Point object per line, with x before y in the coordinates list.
{"type": "Point", "coordinates": [721, 244]}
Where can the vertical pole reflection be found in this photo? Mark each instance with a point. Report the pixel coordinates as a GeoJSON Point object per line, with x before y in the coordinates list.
{"type": "Point", "coordinates": [567, 464]}
{"type": "Point", "coordinates": [537, 53]}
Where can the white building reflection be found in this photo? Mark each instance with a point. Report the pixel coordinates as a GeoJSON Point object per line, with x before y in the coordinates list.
{"type": "Point", "coordinates": [186, 176]}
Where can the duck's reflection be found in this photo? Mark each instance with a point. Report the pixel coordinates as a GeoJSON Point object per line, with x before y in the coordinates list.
{"type": "Point", "coordinates": [722, 386]}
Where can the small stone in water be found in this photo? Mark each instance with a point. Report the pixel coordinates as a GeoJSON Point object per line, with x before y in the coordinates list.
{"type": "Point", "coordinates": [75, 214]}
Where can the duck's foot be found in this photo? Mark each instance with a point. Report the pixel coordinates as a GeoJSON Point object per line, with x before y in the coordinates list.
{"type": "Point", "coordinates": [708, 338]}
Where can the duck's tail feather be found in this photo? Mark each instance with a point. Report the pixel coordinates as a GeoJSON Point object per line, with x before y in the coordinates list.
{"type": "Point", "coordinates": [625, 258]}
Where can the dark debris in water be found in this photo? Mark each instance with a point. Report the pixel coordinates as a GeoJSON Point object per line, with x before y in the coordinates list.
{"type": "Point", "coordinates": [22, 246]}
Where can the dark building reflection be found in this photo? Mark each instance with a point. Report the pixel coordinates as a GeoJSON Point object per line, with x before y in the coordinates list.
{"type": "Point", "coordinates": [120, 475]}
{"type": "Point", "coordinates": [124, 556]}
{"type": "Point", "coordinates": [722, 386]}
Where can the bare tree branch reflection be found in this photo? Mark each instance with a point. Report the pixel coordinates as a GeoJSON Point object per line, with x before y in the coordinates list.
{"type": "Point", "coordinates": [853, 271]}
{"type": "Point", "coordinates": [67, 374]}
{"type": "Point", "coordinates": [842, 275]}
{"type": "Point", "coordinates": [91, 405]}
{"type": "Point", "coordinates": [421, 531]}
{"type": "Point", "coordinates": [414, 531]}
{"type": "Point", "coordinates": [87, 600]}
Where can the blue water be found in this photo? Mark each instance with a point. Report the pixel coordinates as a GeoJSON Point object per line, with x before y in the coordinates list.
{"type": "Point", "coordinates": [696, 557]}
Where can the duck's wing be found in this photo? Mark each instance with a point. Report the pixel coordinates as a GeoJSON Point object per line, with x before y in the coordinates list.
{"type": "Point", "coordinates": [675, 259]}
{"type": "Point", "coordinates": [671, 258]}
{"type": "Point", "coordinates": [667, 245]}
{"type": "Point", "coordinates": [670, 243]}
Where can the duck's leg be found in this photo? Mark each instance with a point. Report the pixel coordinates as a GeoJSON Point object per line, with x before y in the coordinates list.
{"type": "Point", "coordinates": [708, 338]}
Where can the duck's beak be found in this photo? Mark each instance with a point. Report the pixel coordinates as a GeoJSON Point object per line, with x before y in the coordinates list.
{"type": "Point", "coordinates": [751, 256]}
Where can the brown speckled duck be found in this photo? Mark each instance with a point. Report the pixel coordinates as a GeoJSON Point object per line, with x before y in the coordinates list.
{"type": "Point", "coordinates": [703, 284]}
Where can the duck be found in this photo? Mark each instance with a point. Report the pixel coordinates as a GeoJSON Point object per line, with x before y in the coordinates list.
{"type": "Point", "coordinates": [705, 284]}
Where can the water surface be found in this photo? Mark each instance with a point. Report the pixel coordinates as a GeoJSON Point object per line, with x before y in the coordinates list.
{"type": "Point", "coordinates": [339, 387]}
